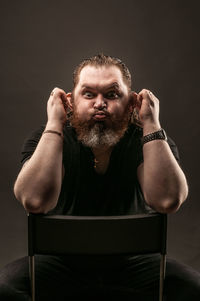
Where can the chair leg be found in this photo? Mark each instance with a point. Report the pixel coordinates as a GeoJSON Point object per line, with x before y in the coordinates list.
{"type": "Point", "coordinates": [32, 276]}
{"type": "Point", "coordinates": [162, 275]}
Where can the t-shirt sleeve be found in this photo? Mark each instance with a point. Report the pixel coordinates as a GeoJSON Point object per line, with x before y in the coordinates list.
{"type": "Point", "coordinates": [171, 143]}
{"type": "Point", "coordinates": [174, 148]}
{"type": "Point", "coordinates": [30, 144]}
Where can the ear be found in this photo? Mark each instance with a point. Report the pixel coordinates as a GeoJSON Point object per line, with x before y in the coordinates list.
{"type": "Point", "coordinates": [69, 101]}
{"type": "Point", "coordinates": [135, 96]}
{"type": "Point", "coordinates": [132, 100]}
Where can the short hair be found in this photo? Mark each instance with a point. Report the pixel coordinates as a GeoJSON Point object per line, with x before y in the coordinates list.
{"type": "Point", "coordinates": [100, 60]}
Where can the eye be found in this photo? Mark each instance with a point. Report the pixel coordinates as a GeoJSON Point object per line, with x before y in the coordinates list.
{"type": "Point", "coordinates": [112, 95]}
{"type": "Point", "coordinates": [88, 94]}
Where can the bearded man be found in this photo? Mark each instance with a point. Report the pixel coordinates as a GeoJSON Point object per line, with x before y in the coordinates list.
{"type": "Point", "coordinates": [101, 152]}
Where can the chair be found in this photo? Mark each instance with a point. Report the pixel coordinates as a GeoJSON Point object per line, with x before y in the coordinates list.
{"type": "Point", "coordinates": [130, 234]}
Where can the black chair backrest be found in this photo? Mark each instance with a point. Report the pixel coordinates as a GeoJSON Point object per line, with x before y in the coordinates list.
{"type": "Point", "coordinates": [130, 234]}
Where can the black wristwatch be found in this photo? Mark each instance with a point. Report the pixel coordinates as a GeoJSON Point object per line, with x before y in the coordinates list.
{"type": "Point", "coordinates": [154, 136]}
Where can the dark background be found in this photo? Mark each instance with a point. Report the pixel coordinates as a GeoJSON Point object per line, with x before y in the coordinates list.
{"type": "Point", "coordinates": [41, 43]}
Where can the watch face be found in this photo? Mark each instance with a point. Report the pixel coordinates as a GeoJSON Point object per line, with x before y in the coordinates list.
{"type": "Point", "coordinates": [164, 134]}
{"type": "Point", "coordinates": [160, 135]}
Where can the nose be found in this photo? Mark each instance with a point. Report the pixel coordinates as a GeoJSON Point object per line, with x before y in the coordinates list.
{"type": "Point", "coordinates": [100, 102]}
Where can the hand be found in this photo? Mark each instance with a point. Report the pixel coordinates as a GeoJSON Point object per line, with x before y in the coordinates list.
{"type": "Point", "coordinates": [57, 106]}
{"type": "Point", "coordinates": [147, 107]}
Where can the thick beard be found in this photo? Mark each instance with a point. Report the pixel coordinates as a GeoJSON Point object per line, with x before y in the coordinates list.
{"type": "Point", "coordinates": [100, 133]}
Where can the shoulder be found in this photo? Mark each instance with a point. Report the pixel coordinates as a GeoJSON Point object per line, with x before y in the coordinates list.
{"type": "Point", "coordinates": [134, 131]}
{"type": "Point", "coordinates": [30, 143]}
{"type": "Point", "coordinates": [33, 136]}
{"type": "Point", "coordinates": [36, 132]}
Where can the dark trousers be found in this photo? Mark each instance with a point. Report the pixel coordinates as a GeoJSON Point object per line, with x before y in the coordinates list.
{"type": "Point", "coordinates": [101, 278]}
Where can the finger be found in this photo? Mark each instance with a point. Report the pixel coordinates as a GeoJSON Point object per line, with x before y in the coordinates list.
{"type": "Point", "coordinates": [145, 92]}
{"type": "Point", "coordinates": [139, 100]}
{"type": "Point", "coordinates": [53, 91]}
{"type": "Point", "coordinates": [147, 95]}
{"type": "Point", "coordinates": [150, 94]}
{"type": "Point", "coordinates": [57, 92]}
{"type": "Point", "coordinates": [131, 100]}
{"type": "Point", "coordinates": [134, 98]}
{"type": "Point", "coordinates": [136, 108]}
{"type": "Point", "coordinates": [64, 101]}
{"type": "Point", "coordinates": [152, 98]}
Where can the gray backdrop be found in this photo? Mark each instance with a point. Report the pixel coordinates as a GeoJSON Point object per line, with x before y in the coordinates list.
{"type": "Point", "coordinates": [41, 43]}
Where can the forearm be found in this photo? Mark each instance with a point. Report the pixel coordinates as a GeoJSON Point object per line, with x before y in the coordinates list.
{"type": "Point", "coordinates": [163, 182]}
{"type": "Point", "coordinates": [39, 182]}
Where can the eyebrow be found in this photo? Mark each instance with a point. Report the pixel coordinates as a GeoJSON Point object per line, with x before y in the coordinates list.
{"type": "Point", "coordinates": [96, 87]}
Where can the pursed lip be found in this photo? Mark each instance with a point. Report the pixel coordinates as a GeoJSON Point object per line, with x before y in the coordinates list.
{"type": "Point", "coordinates": [99, 115]}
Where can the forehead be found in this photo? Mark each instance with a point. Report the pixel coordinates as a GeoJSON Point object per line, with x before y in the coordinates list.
{"type": "Point", "coordinates": [100, 76]}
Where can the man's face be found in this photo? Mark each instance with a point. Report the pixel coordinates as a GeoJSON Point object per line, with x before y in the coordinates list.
{"type": "Point", "coordinates": [100, 87]}
{"type": "Point", "coordinates": [101, 99]}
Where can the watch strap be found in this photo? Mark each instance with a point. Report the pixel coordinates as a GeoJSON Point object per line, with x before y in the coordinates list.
{"type": "Point", "coordinates": [158, 135]}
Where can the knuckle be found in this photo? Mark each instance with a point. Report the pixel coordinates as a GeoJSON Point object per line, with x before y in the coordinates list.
{"type": "Point", "coordinates": [56, 90]}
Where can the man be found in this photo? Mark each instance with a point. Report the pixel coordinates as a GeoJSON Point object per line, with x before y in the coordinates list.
{"type": "Point", "coordinates": [93, 158]}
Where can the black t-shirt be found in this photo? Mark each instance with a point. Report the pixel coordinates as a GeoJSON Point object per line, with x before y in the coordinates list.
{"type": "Point", "coordinates": [84, 192]}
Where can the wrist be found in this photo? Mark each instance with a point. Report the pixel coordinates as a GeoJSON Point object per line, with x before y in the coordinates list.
{"type": "Point", "coordinates": [150, 127]}
{"type": "Point", "coordinates": [55, 126]}
{"type": "Point", "coordinates": [157, 135]}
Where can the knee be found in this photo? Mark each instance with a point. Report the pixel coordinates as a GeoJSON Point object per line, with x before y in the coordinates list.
{"type": "Point", "coordinates": [183, 284]}
{"type": "Point", "coordinates": [13, 284]}
{"type": "Point", "coordinates": [8, 293]}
